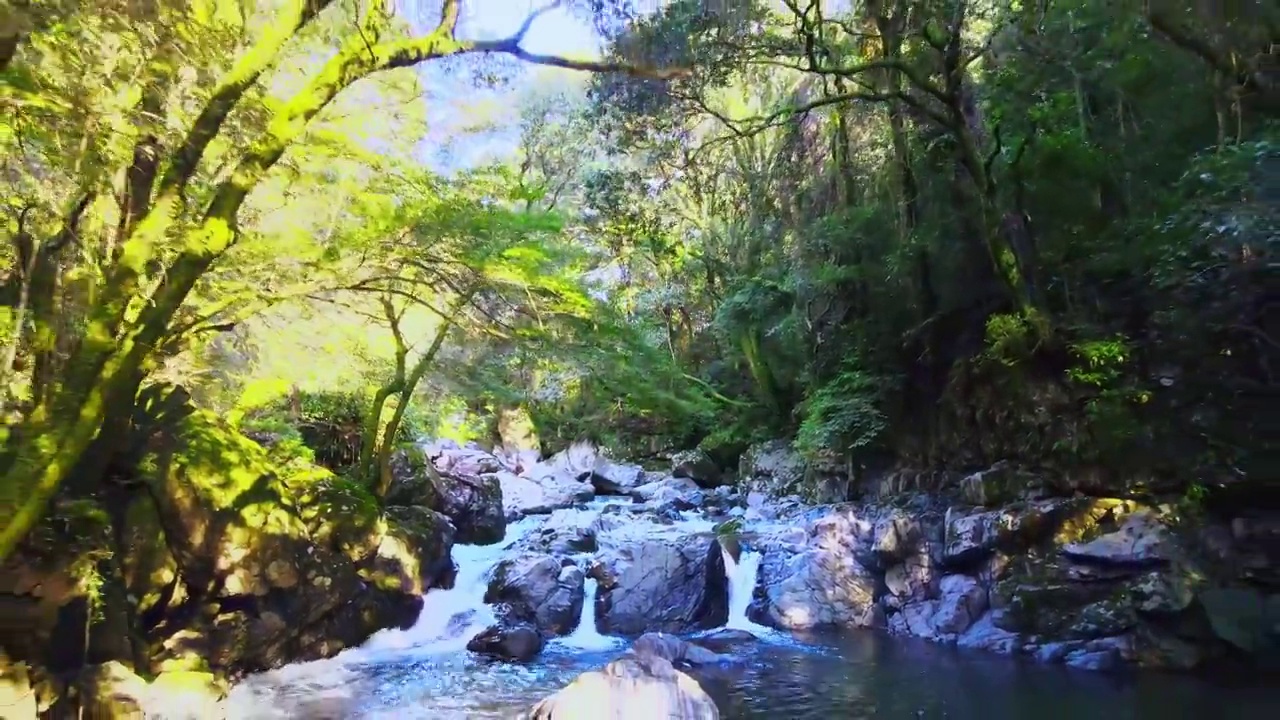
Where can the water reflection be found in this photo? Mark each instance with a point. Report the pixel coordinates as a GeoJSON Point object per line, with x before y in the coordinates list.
{"type": "Point", "coordinates": [871, 676]}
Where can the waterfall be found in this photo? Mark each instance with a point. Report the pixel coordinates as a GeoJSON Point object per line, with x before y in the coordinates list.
{"type": "Point", "coordinates": [450, 618]}
{"type": "Point", "coordinates": [742, 583]}
{"type": "Point", "coordinates": [585, 636]}
{"type": "Point", "coordinates": [447, 622]}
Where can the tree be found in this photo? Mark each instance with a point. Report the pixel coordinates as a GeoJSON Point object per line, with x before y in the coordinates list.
{"type": "Point", "coordinates": [170, 233]}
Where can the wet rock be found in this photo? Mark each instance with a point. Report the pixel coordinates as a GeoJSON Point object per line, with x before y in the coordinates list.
{"type": "Point", "coordinates": [634, 687]}
{"type": "Point", "coordinates": [823, 584]}
{"type": "Point", "coordinates": [566, 532]}
{"type": "Point", "coordinates": [962, 600]}
{"type": "Point", "coordinates": [667, 584]}
{"type": "Point", "coordinates": [1141, 540]}
{"type": "Point", "coordinates": [537, 589]}
{"type": "Point", "coordinates": [697, 466]}
{"type": "Point", "coordinates": [726, 639]}
{"type": "Point", "coordinates": [675, 650]}
{"type": "Point", "coordinates": [520, 643]}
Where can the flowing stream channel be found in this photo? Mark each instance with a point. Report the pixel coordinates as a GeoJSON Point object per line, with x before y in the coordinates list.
{"type": "Point", "coordinates": [426, 671]}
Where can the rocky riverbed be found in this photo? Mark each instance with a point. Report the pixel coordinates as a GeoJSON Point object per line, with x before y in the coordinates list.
{"type": "Point", "coordinates": [576, 556]}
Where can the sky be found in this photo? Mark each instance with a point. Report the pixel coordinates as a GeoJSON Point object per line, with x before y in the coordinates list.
{"type": "Point", "coordinates": [456, 106]}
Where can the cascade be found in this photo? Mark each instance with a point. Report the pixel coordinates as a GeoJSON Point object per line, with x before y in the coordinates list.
{"type": "Point", "coordinates": [585, 636]}
{"type": "Point", "coordinates": [742, 582]}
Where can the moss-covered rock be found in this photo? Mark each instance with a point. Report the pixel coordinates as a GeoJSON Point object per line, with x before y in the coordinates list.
{"type": "Point", "coordinates": [414, 552]}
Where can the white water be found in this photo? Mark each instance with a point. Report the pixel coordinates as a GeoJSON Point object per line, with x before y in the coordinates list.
{"type": "Point", "coordinates": [448, 620]}
{"type": "Point", "coordinates": [586, 636]}
{"type": "Point", "coordinates": [742, 583]}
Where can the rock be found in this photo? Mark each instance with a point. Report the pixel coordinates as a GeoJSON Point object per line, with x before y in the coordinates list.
{"type": "Point", "coordinates": [772, 468]}
{"type": "Point", "coordinates": [414, 553]}
{"type": "Point", "coordinates": [972, 536]}
{"type": "Point", "coordinates": [962, 600]}
{"type": "Point", "coordinates": [566, 532]}
{"type": "Point", "coordinates": [662, 584]}
{"type": "Point", "coordinates": [824, 584]}
{"type": "Point", "coordinates": [725, 639]}
{"type": "Point", "coordinates": [17, 697]}
{"type": "Point", "coordinates": [895, 537]}
{"type": "Point", "coordinates": [294, 563]}
{"type": "Point", "coordinates": [536, 589]}
{"type": "Point", "coordinates": [467, 462]}
{"type": "Point", "coordinates": [630, 688]}
{"type": "Point", "coordinates": [1165, 592]}
{"type": "Point", "coordinates": [674, 650]}
{"type": "Point", "coordinates": [524, 496]}
{"type": "Point", "coordinates": [988, 634]}
{"type": "Point", "coordinates": [616, 479]}
{"type": "Point", "coordinates": [998, 484]}
{"type": "Point", "coordinates": [111, 691]}
{"type": "Point", "coordinates": [1092, 660]}
{"type": "Point", "coordinates": [1141, 540]}
{"type": "Point", "coordinates": [1245, 618]}
{"type": "Point", "coordinates": [186, 695]}
{"type": "Point", "coordinates": [584, 462]}
{"type": "Point", "coordinates": [520, 643]}
{"type": "Point", "coordinates": [474, 504]}
{"type": "Point", "coordinates": [682, 493]}
{"type": "Point", "coordinates": [697, 466]}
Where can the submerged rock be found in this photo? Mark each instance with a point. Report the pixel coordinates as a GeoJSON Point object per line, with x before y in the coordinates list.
{"type": "Point", "coordinates": [634, 687]}
{"type": "Point", "coordinates": [674, 649]}
{"type": "Point", "coordinates": [520, 643]}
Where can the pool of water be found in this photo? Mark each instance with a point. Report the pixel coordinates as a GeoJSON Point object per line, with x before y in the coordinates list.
{"type": "Point", "coordinates": [853, 676]}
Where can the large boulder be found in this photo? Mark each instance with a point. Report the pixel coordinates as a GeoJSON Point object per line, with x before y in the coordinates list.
{"type": "Point", "coordinates": [698, 466]}
{"type": "Point", "coordinates": [538, 589]}
{"type": "Point", "coordinates": [772, 468]}
{"type": "Point", "coordinates": [634, 687]}
{"type": "Point", "coordinates": [822, 582]}
{"type": "Point", "coordinates": [526, 496]}
{"type": "Point", "coordinates": [679, 493]}
{"type": "Point", "coordinates": [668, 584]}
{"type": "Point", "coordinates": [473, 502]}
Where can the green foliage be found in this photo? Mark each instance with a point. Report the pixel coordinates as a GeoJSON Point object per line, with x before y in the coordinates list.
{"type": "Point", "coordinates": [843, 415]}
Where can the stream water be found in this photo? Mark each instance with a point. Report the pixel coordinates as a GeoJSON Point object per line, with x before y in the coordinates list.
{"type": "Point", "coordinates": [425, 672]}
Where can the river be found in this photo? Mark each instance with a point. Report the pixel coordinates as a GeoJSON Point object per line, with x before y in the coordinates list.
{"type": "Point", "coordinates": [426, 672]}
